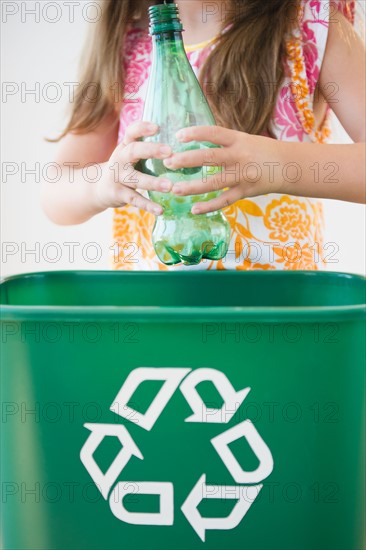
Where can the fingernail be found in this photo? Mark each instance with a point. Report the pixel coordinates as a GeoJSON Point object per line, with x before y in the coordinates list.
{"type": "Point", "coordinates": [157, 210]}
{"type": "Point", "coordinates": [168, 162]}
{"type": "Point", "coordinates": [165, 150]}
{"type": "Point", "coordinates": [177, 189]}
{"type": "Point", "coordinates": [152, 127]}
{"type": "Point", "coordinates": [165, 185]}
{"type": "Point", "coordinates": [180, 135]}
{"type": "Point", "coordinates": [195, 210]}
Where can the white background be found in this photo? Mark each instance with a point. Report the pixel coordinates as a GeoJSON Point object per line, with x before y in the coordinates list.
{"type": "Point", "coordinates": [42, 52]}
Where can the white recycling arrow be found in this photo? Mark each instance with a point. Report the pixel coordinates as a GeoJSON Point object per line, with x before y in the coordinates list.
{"type": "Point", "coordinates": [245, 497]}
{"type": "Point", "coordinates": [172, 378]}
{"type": "Point", "coordinates": [165, 490]}
{"type": "Point", "coordinates": [202, 413]}
{"type": "Point", "coordinates": [244, 429]}
{"type": "Point", "coordinates": [104, 481]}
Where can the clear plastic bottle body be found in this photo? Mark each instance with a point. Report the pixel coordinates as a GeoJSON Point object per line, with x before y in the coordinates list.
{"type": "Point", "coordinates": [175, 100]}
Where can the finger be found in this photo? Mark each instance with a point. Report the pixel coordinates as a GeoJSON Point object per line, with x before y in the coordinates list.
{"type": "Point", "coordinates": [198, 157]}
{"type": "Point", "coordinates": [213, 134]}
{"type": "Point", "coordinates": [206, 185]}
{"type": "Point", "coordinates": [129, 196]}
{"type": "Point", "coordinates": [223, 201]}
{"type": "Point", "coordinates": [136, 180]}
{"type": "Point", "coordinates": [138, 130]}
{"type": "Point", "coordinates": [137, 150]}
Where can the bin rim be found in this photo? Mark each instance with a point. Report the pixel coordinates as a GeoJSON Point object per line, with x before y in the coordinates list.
{"type": "Point", "coordinates": [191, 314]}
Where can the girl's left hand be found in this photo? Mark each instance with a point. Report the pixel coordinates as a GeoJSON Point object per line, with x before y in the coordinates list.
{"type": "Point", "coordinates": [247, 161]}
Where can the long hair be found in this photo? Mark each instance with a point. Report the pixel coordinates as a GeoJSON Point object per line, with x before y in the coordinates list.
{"type": "Point", "coordinates": [244, 70]}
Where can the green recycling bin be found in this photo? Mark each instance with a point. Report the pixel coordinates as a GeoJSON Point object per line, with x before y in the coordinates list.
{"type": "Point", "coordinates": [183, 410]}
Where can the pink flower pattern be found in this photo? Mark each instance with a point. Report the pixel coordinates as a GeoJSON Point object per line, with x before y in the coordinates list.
{"type": "Point", "coordinates": [132, 113]}
{"type": "Point", "coordinates": [312, 69]}
{"type": "Point", "coordinates": [285, 119]}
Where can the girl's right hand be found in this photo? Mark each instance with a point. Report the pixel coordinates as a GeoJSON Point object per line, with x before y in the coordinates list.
{"type": "Point", "coordinates": [120, 181]}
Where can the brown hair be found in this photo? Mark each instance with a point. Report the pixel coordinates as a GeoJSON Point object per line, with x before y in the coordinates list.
{"type": "Point", "coordinates": [240, 99]}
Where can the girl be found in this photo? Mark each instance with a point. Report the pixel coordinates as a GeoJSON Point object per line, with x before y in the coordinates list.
{"type": "Point", "coordinates": [274, 68]}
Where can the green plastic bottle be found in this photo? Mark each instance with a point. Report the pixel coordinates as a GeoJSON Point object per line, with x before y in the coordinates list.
{"type": "Point", "coordinates": [175, 100]}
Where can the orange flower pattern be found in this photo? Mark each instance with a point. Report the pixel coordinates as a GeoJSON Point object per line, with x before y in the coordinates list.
{"type": "Point", "coordinates": [296, 257]}
{"type": "Point", "coordinates": [286, 219]}
{"type": "Point", "coordinates": [267, 232]}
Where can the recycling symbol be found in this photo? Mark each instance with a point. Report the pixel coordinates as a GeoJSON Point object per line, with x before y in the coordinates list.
{"type": "Point", "coordinates": [247, 483]}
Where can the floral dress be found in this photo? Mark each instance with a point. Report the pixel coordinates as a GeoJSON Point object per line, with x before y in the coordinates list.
{"type": "Point", "coordinates": [267, 232]}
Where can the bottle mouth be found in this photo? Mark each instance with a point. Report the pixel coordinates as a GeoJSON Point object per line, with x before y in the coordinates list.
{"type": "Point", "coordinates": [164, 18]}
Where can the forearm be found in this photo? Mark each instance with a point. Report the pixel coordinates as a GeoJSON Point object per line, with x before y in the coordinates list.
{"type": "Point", "coordinates": [72, 199]}
{"type": "Point", "coordinates": [323, 171]}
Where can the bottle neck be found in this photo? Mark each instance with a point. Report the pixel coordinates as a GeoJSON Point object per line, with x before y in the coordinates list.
{"type": "Point", "coordinates": [168, 43]}
{"type": "Point", "coordinates": [164, 22]}
{"type": "Point", "coordinates": [171, 39]}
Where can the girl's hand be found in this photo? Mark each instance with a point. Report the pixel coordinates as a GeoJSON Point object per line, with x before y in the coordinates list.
{"type": "Point", "coordinates": [120, 181]}
{"type": "Point", "coordinates": [240, 157]}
